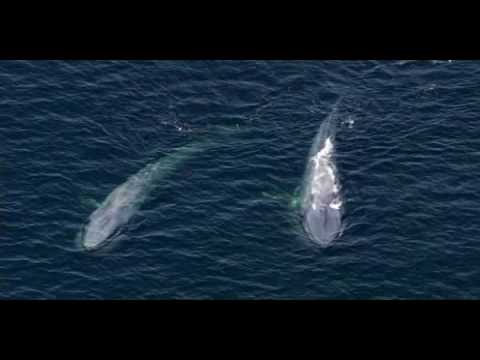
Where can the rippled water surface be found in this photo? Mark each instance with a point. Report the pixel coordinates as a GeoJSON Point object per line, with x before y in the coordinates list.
{"type": "Point", "coordinates": [221, 225]}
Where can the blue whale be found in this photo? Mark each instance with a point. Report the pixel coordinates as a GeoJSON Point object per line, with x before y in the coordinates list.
{"type": "Point", "coordinates": [321, 201]}
{"type": "Point", "coordinates": [125, 200]}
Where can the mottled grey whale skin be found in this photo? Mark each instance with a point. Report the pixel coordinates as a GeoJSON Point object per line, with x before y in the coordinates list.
{"type": "Point", "coordinates": [124, 201]}
{"type": "Point", "coordinates": [321, 200]}
{"type": "Point", "coordinates": [323, 225]}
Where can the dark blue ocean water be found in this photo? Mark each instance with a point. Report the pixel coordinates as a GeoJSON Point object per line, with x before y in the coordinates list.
{"type": "Point", "coordinates": [407, 152]}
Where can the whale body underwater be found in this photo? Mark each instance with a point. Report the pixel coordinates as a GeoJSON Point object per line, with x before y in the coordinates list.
{"type": "Point", "coordinates": [321, 201]}
{"type": "Point", "coordinates": [124, 202]}
{"type": "Point", "coordinates": [320, 196]}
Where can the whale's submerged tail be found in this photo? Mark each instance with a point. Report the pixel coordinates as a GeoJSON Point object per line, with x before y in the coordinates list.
{"type": "Point", "coordinates": [327, 130]}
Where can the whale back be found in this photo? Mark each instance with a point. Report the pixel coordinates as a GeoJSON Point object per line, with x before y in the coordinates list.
{"type": "Point", "coordinates": [321, 201]}
{"type": "Point", "coordinates": [124, 201]}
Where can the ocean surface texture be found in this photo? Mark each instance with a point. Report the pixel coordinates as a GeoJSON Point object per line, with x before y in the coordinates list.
{"type": "Point", "coordinates": [218, 220]}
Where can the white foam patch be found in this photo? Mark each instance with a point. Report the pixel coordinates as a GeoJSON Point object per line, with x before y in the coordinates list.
{"type": "Point", "coordinates": [327, 149]}
{"type": "Point", "coordinates": [336, 189]}
{"type": "Point", "coordinates": [324, 184]}
{"type": "Point", "coordinates": [350, 121]}
{"type": "Point", "coordinates": [336, 204]}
